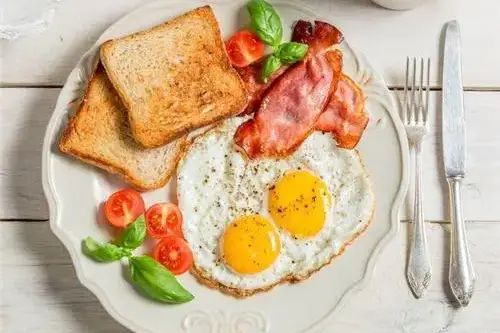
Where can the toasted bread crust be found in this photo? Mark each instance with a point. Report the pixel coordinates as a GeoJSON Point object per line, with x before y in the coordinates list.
{"type": "Point", "coordinates": [151, 135]}
{"type": "Point", "coordinates": [66, 146]}
{"type": "Point", "coordinates": [122, 172]}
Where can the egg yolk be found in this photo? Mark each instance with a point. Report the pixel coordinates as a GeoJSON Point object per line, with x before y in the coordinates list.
{"type": "Point", "coordinates": [250, 244]}
{"type": "Point", "coordinates": [297, 203]}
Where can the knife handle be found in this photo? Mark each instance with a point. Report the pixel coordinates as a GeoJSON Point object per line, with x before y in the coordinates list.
{"type": "Point", "coordinates": [462, 276]}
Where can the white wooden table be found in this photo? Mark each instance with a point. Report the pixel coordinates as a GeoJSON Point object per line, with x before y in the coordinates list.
{"type": "Point", "coordinates": [39, 291]}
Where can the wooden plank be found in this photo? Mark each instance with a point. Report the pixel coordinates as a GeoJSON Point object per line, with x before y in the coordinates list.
{"type": "Point", "coordinates": [75, 28]}
{"type": "Point", "coordinates": [24, 113]}
{"type": "Point", "coordinates": [388, 37]}
{"type": "Point", "coordinates": [39, 283]}
{"type": "Point", "coordinates": [78, 24]}
{"type": "Point", "coordinates": [390, 307]}
{"type": "Point", "coordinates": [480, 199]}
{"type": "Point", "coordinates": [41, 293]}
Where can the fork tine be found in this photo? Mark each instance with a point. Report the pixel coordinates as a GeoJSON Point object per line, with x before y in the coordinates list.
{"type": "Point", "coordinates": [427, 89]}
{"type": "Point", "coordinates": [405, 101]}
{"type": "Point", "coordinates": [412, 102]}
{"type": "Point", "coordinates": [420, 104]}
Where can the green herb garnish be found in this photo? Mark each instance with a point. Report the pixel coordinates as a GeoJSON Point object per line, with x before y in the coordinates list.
{"type": "Point", "coordinates": [291, 52]}
{"type": "Point", "coordinates": [157, 281]}
{"type": "Point", "coordinates": [151, 277]}
{"type": "Point", "coordinates": [103, 252]}
{"type": "Point", "coordinates": [134, 234]}
{"type": "Point", "coordinates": [266, 23]}
{"type": "Point", "coordinates": [271, 65]}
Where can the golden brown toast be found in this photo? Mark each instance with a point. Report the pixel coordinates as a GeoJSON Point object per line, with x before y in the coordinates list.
{"type": "Point", "coordinates": [174, 78]}
{"type": "Point", "coordinates": [99, 134]}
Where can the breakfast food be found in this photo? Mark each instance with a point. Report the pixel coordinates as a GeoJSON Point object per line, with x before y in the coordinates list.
{"type": "Point", "coordinates": [289, 110]}
{"type": "Point", "coordinates": [174, 253]}
{"type": "Point", "coordinates": [266, 197]}
{"type": "Point", "coordinates": [174, 78]}
{"type": "Point", "coordinates": [153, 277]}
{"type": "Point", "coordinates": [244, 48]}
{"type": "Point", "coordinates": [252, 224]}
{"type": "Point", "coordinates": [123, 207]}
{"type": "Point", "coordinates": [256, 88]}
{"type": "Point", "coordinates": [99, 134]}
{"type": "Point", "coordinates": [291, 107]}
{"type": "Point", "coordinates": [164, 219]}
{"type": "Point", "coordinates": [344, 116]}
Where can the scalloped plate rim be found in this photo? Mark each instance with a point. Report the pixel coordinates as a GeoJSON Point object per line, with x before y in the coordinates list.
{"type": "Point", "coordinates": [52, 199]}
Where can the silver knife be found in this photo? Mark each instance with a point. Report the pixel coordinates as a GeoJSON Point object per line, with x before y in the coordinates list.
{"type": "Point", "coordinates": [461, 276]}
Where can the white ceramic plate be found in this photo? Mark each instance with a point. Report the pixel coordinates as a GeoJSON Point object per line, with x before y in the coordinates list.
{"type": "Point", "coordinates": [75, 192]}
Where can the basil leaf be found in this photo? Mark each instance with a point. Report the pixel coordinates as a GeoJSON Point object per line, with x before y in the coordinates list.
{"type": "Point", "coordinates": [103, 252]}
{"type": "Point", "coordinates": [291, 52]}
{"type": "Point", "coordinates": [271, 65]}
{"type": "Point", "coordinates": [134, 234]}
{"type": "Point", "coordinates": [156, 281]}
{"type": "Point", "coordinates": [265, 22]}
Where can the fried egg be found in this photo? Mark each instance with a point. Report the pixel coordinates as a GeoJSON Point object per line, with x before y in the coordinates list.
{"type": "Point", "coordinates": [254, 223]}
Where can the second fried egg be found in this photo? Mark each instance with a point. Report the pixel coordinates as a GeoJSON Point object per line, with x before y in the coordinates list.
{"type": "Point", "coordinates": [254, 223]}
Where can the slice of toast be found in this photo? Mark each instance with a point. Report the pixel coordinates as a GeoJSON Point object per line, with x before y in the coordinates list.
{"type": "Point", "coordinates": [174, 78]}
{"type": "Point", "coordinates": [99, 134]}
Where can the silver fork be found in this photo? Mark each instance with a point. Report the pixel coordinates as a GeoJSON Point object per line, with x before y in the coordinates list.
{"type": "Point", "coordinates": [415, 119]}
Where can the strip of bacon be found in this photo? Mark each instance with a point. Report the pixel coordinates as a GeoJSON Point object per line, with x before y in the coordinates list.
{"type": "Point", "coordinates": [344, 116]}
{"type": "Point", "coordinates": [293, 102]}
{"type": "Point", "coordinates": [288, 111]}
{"type": "Point", "coordinates": [256, 88]}
{"type": "Point", "coordinates": [319, 38]}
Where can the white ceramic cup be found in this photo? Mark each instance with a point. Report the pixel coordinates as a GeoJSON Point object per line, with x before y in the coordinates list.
{"type": "Point", "coordinates": [399, 4]}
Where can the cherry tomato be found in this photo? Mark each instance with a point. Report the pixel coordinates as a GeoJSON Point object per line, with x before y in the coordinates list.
{"type": "Point", "coordinates": [244, 47]}
{"type": "Point", "coordinates": [123, 207]}
{"type": "Point", "coordinates": [174, 253]}
{"type": "Point", "coordinates": [163, 219]}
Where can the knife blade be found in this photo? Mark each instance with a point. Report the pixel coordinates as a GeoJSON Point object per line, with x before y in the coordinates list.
{"type": "Point", "coordinates": [453, 105]}
{"type": "Point", "coordinates": [462, 276]}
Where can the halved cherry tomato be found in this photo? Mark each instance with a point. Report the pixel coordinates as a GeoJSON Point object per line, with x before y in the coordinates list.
{"type": "Point", "coordinates": [244, 47]}
{"type": "Point", "coordinates": [163, 219]}
{"type": "Point", "coordinates": [174, 253]}
{"type": "Point", "coordinates": [123, 207]}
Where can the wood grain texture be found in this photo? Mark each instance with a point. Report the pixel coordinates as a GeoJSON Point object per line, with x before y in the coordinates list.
{"type": "Point", "coordinates": [390, 307]}
{"type": "Point", "coordinates": [480, 198]}
{"type": "Point", "coordinates": [42, 294]}
{"type": "Point", "coordinates": [78, 24]}
{"type": "Point", "coordinates": [75, 28]}
{"type": "Point", "coordinates": [39, 291]}
{"type": "Point", "coordinates": [24, 114]}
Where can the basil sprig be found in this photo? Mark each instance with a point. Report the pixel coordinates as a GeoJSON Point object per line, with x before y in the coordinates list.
{"type": "Point", "coordinates": [156, 281]}
{"type": "Point", "coordinates": [103, 252]}
{"type": "Point", "coordinates": [271, 65]}
{"type": "Point", "coordinates": [266, 23]}
{"type": "Point", "coordinates": [134, 234]}
{"type": "Point", "coordinates": [286, 53]}
{"type": "Point", "coordinates": [291, 52]}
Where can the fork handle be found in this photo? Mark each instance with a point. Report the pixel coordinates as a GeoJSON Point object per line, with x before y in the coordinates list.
{"type": "Point", "coordinates": [419, 267]}
{"type": "Point", "coordinates": [462, 276]}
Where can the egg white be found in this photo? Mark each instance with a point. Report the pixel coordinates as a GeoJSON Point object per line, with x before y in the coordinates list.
{"type": "Point", "coordinates": [216, 184]}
